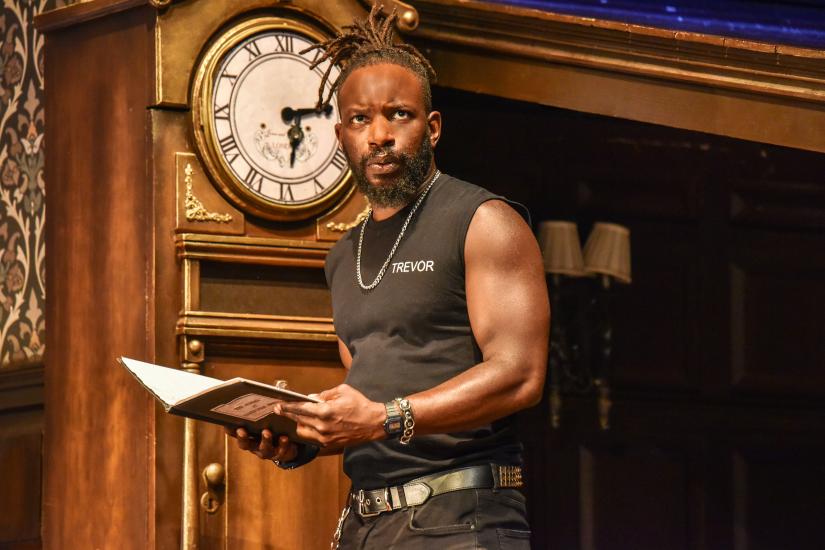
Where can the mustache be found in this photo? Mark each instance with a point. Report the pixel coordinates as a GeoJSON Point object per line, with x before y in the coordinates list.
{"type": "Point", "coordinates": [385, 153]}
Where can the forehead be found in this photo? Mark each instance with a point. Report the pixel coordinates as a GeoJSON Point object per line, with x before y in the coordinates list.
{"type": "Point", "coordinates": [381, 83]}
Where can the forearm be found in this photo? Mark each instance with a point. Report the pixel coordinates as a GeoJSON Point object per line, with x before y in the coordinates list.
{"type": "Point", "coordinates": [486, 392]}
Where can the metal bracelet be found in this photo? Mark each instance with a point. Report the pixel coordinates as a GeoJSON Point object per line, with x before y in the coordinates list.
{"type": "Point", "coordinates": [409, 420]}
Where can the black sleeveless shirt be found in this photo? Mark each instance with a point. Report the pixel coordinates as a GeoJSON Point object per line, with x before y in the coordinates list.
{"type": "Point", "coordinates": [412, 332]}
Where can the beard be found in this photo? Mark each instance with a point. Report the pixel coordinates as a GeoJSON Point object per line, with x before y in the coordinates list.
{"type": "Point", "coordinates": [410, 174]}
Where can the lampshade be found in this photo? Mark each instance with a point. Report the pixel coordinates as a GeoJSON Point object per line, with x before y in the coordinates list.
{"type": "Point", "coordinates": [561, 249]}
{"type": "Point", "coordinates": [608, 251]}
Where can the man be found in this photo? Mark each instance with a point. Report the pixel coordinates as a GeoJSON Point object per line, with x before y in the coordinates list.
{"type": "Point", "coordinates": [440, 306]}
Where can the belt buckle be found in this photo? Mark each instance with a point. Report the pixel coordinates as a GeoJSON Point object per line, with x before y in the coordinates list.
{"type": "Point", "coordinates": [364, 502]}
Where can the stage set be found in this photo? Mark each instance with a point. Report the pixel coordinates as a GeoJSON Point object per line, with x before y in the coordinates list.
{"type": "Point", "coordinates": [673, 151]}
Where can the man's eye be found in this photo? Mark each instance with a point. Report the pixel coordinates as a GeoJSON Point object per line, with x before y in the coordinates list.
{"type": "Point", "coordinates": [358, 119]}
{"type": "Point", "coordinates": [401, 113]}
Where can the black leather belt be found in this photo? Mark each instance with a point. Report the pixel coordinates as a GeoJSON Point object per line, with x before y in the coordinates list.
{"type": "Point", "coordinates": [486, 476]}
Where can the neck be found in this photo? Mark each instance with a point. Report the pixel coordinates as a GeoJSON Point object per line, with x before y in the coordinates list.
{"type": "Point", "coordinates": [381, 213]}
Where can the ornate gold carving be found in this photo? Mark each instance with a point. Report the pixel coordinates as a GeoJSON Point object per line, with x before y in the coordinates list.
{"type": "Point", "coordinates": [342, 227]}
{"type": "Point", "coordinates": [195, 211]}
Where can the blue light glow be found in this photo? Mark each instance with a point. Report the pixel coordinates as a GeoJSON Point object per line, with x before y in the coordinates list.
{"type": "Point", "coordinates": [782, 22]}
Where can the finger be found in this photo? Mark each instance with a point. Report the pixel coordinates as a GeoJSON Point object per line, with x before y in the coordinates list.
{"type": "Point", "coordinates": [310, 433]}
{"type": "Point", "coordinates": [247, 444]}
{"type": "Point", "coordinates": [246, 441]}
{"type": "Point", "coordinates": [299, 409]}
{"type": "Point", "coordinates": [329, 394]}
{"type": "Point", "coordinates": [286, 450]}
{"type": "Point", "coordinates": [266, 448]}
{"type": "Point", "coordinates": [302, 418]}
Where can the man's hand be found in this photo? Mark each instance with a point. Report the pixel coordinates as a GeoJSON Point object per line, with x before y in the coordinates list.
{"type": "Point", "coordinates": [264, 446]}
{"type": "Point", "coordinates": [345, 418]}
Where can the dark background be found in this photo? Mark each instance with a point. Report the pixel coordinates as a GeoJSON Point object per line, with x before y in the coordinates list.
{"type": "Point", "coordinates": [718, 419]}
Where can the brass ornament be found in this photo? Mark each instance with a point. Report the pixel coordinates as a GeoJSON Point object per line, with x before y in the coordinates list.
{"type": "Point", "coordinates": [343, 227]}
{"type": "Point", "coordinates": [195, 211]}
{"type": "Point", "coordinates": [206, 136]}
{"type": "Point", "coordinates": [214, 478]}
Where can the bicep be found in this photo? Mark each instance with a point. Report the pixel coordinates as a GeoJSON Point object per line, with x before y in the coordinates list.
{"type": "Point", "coordinates": [506, 288]}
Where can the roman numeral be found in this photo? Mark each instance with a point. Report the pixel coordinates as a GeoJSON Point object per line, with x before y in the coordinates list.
{"type": "Point", "coordinates": [228, 144]}
{"type": "Point", "coordinates": [317, 53]}
{"type": "Point", "coordinates": [318, 184]}
{"type": "Point", "coordinates": [232, 78]}
{"type": "Point", "coordinates": [339, 160]}
{"type": "Point", "coordinates": [284, 43]}
{"type": "Point", "coordinates": [288, 196]}
{"type": "Point", "coordinates": [253, 50]}
{"type": "Point", "coordinates": [254, 179]}
{"type": "Point", "coordinates": [229, 148]}
{"type": "Point", "coordinates": [222, 113]}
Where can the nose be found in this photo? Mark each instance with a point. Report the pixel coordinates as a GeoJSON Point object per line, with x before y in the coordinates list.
{"type": "Point", "coordinates": [380, 133]}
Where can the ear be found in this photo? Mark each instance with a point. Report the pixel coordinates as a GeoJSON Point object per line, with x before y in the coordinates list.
{"type": "Point", "coordinates": [338, 134]}
{"type": "Point", "coordinates": [434, 123]}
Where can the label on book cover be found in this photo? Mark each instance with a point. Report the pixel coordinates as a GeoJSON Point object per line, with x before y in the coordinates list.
{"type": "Point", "coordinates": [251, 407]}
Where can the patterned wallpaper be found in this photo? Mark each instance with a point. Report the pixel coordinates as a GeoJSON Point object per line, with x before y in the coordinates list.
{"type": "Point", "coordinates": [22, 189]}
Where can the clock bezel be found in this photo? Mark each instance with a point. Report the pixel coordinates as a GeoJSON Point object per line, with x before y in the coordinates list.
{"type": "Point", "coordinates": [206, 136]}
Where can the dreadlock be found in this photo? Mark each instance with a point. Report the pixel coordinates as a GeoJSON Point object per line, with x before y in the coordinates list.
{"type": "Point", "coordinates": [370, 42]}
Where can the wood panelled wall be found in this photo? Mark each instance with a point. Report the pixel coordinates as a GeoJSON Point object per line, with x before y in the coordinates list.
{"type": "Point", "coordinates": [718, 422]}
{"type": "Point", "coordinates": [21, 441]}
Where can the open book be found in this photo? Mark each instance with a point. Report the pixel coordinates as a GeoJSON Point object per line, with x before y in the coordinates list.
{"type": "Point", "coordinates": [236, 403]}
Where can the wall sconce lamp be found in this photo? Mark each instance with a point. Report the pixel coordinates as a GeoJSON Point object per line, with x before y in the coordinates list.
{"type": "Point", "coordinates": [581, 337]}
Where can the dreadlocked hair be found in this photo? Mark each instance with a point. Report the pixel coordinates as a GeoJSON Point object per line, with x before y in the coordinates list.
{"type": "Point", "coordinates": [370, 42]}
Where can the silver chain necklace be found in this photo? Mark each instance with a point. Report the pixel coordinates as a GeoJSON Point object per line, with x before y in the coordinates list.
{"type": "Point", "coordinates": [397, 241]}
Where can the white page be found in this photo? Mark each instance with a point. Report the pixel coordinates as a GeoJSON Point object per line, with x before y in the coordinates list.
{"type": "Point", "coordinates": [169, 385]}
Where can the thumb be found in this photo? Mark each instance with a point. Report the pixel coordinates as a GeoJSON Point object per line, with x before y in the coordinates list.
{"type": "Point", "coordinates": [331, 393]}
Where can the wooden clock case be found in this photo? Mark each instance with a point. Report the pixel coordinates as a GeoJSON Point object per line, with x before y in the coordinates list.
{"type": "Point", "coordinates": [148, 259]}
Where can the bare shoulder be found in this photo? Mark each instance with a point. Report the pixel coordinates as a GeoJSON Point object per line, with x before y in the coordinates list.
{"type": "Point", "coordinates": [498, 232]}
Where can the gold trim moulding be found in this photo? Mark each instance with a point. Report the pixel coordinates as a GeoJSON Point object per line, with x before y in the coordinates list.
{"type": "Point", "coordinates": [256, 250]}
{"type": "Point", "coordinates": [259, 327]}
{"type": "Point", "coordinates": [710, 60]}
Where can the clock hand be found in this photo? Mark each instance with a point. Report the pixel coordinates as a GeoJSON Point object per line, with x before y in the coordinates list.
{"type": "Point", "coordinates": [295, 135]}
{"type": "Point", "coordinates": [288, 113]}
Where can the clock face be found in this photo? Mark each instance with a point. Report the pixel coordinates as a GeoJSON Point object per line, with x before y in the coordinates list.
{"type": "Point", "coordinates": [256, 125]}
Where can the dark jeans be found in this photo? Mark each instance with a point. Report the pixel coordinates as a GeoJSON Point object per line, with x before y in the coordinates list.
{"type": "Point", "coordinates": [477, 519]}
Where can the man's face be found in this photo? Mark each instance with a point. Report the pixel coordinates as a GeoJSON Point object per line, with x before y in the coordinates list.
{"type": "Point", "coordinates": [386, 133]}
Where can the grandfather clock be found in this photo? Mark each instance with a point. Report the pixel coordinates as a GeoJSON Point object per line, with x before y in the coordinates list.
{"type": "Point", "coordinates": [194, 192]}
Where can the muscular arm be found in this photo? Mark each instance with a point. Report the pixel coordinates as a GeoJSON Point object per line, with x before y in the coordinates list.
{"type": "Point", "coordinates": [510, 317]}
